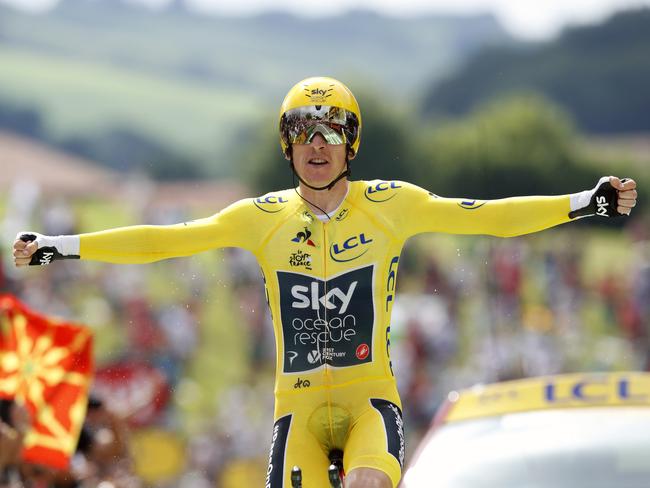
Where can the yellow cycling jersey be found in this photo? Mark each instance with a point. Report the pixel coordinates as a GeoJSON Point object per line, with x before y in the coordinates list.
{"type": "Point", "coordinates": [330, 285]}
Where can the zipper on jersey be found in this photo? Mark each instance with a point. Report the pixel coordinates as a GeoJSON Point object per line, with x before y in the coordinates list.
{"type": "Point", "coordinates": [326, 363]}
{"type": "Point", "coordinates": [327, 371]}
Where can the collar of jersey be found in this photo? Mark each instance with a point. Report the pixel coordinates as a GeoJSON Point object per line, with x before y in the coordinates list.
{"type": "Point", "coordinates": [330, 215]}
{"type": "Point", "coordinates": [353, 189]}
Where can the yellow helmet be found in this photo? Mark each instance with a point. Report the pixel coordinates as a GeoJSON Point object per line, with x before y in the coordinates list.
{"type": "Point", "coordinates": [335, 113]}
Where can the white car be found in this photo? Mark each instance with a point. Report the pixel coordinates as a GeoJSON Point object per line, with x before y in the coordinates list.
{"type": "Point", "coordinates": [565, 431]}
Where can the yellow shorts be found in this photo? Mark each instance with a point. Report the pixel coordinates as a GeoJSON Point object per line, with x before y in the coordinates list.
{"type": "Point", "coordinates": [364, 420]}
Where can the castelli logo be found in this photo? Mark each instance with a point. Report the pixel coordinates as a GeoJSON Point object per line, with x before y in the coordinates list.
{"type": "Point", "coordinates": [362, 351]}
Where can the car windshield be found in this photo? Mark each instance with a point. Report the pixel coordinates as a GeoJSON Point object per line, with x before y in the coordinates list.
{"type": "Point", "coordinates": [572, 448]}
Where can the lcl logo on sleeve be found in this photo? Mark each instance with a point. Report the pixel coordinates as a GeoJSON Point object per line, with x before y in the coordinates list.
{"type": "Point", "coordinates": [382, 191]}
{"type": "Point", "coordinates": [271, 203]}
{"type": "Point", "coordinates": [326, 321]}
{"type": "Point", "coordinates": [471, 204]}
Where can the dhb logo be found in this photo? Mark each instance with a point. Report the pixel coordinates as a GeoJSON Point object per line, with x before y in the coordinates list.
{"type": "Point", "coordinates": [302, 383]}
{"type": "Point", "coordinates": [357, 245]}
{"type": "Point", "coordinates": [381, 191]}
{"type": "Point", "coordinates": [601, 206]}
{"type": "Point", "coordinates": [270, 203]}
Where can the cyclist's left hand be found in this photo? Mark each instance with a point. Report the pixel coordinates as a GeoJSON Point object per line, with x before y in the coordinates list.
{"type": "Point", "coordinates": [626, 194]}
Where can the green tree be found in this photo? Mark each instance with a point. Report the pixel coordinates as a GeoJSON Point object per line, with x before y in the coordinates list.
{"type": "Point", "coordinates": [600, 74]}
{"type": "Point", "coordinates": [520, 145]}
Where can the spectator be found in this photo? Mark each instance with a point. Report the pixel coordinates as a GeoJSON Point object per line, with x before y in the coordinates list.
{"type": "Point", "coordinates": [14, 422]}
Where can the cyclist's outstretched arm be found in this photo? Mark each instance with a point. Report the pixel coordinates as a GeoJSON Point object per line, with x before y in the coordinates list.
{"type": "Point", "coordinates": [517, 215]}
{"type": "Point", "coordinates": [141, 243]}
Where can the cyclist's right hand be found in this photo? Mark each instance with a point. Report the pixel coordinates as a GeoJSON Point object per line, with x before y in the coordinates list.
{"type": "Point", "coordinates": [24, 248]}
{"type": "Point", "coordinates": [33, 249]}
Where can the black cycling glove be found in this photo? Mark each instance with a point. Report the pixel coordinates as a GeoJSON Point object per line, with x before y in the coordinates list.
{"type": "Point", "coordinates": [601, 201]}
{"type": "Point", "coordinates": [47, 249]}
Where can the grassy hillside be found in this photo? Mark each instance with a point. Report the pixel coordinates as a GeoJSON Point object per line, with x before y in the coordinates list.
{"type": "Point", "coordinates": [192, 83]}
{"type": "Point", "coordinates": [76, 96]}
{"type": "Point", "coordinates": [263, 52]}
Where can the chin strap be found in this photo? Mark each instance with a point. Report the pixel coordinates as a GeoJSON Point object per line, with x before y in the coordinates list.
{"type": "Point", "coordinates": [293, 179]}
{"type": "Point", "coordinates": [331, 184]}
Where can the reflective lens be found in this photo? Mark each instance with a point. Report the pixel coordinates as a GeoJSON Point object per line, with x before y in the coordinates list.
{"type": "Point", "coordinates": [336, 125]}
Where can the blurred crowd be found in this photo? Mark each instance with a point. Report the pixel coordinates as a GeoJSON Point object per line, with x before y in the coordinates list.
{"type": "Point", "coordinates": [102, 453]}
{"type": "Point", "coordinates": [470, 309]}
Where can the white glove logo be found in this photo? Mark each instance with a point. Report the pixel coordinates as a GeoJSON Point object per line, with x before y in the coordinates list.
{"type": "Point", "coordinates": [601, 203]}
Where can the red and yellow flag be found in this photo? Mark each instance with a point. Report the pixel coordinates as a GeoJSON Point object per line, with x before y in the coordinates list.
{"type": "Point", "coordinates": [46, 365]}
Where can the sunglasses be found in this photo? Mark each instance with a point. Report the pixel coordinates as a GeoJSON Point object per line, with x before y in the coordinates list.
{"type": "Point", "coordinates": [335, 124]}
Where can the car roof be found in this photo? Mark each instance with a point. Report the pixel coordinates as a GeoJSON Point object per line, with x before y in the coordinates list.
{"type": "Point", "coordinates": [548, 392]}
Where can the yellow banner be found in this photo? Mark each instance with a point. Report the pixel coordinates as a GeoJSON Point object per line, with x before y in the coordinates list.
{"type": "Point", "coordinates": [550, 392]}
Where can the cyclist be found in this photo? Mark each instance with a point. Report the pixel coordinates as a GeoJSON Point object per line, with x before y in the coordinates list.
{"type": "Point", "coordinates": [329, 252]}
